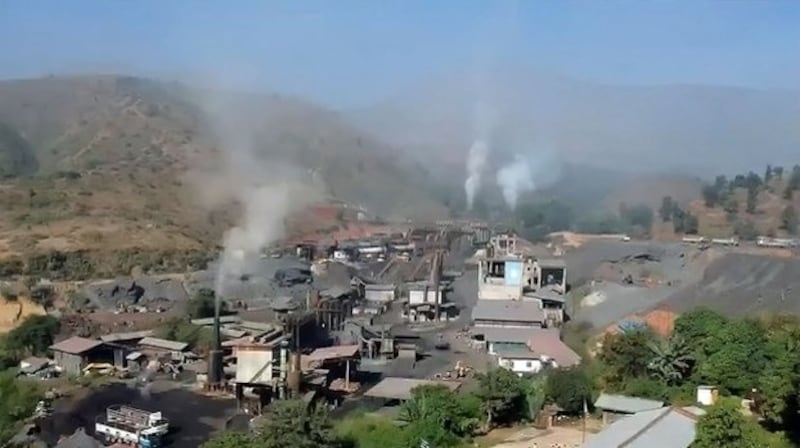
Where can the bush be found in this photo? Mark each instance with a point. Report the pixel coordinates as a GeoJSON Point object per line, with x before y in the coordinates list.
{"type": "Point", "coordinates": [569, 389]}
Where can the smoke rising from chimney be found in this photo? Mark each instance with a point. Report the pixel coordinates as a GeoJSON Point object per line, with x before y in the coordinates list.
{"type": "Point", "coordinates": [267, 189]}
{"type": "Point", "coordinates": [483, 125]}
{"type": "Point", "coordinates": [526, 173]}
{"type": "Point", "coordinates": [514, 179]}
{"type": "Point", "coordinates": [476, 159]}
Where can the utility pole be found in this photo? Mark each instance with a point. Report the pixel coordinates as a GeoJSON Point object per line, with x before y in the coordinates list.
{"type": "Point", "coordinates": [585, 411]}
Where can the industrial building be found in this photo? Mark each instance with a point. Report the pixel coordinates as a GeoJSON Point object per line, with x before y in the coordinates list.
{"type": "Point", "coordinates": [76, 353]}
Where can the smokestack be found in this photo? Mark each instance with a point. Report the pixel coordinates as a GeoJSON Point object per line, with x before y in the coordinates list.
{"type": "Point", "coordinates": [215, 369]}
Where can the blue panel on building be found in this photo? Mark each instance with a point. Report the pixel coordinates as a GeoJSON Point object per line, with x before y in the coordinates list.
{"type": "Point", "coordinates": [513, 273]}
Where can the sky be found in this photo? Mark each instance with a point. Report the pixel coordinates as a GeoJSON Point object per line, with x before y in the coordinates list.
{"type": "Point", "coordinates": [352, 53]}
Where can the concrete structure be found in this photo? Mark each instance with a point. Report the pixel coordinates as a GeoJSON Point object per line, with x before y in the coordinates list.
{"type": "Point", "coordinates": [616, 406]}
{"type": "Point", "coordinates": [255, 362]}
{"type": "Point", "coordinates": [523, 350]}
{"type": "Point", "coordinates": [74, 354]}
{"type": "Point", "coordinates": [707, 395]}
{"type": "Point", "coordinates": [508, 314]}
{"type": "Point", "coordinates": [395, 388]}
{"type": "Point", "coordinates": [424, 292]}
{"type": "Point", "coordinates": [382, 294]}
{"type": "Point", "coordinates": [519, 360]}
{"type": "Point", "coordinates": [665, 427]}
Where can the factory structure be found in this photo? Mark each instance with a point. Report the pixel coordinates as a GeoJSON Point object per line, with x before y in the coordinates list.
{"type": "Point", "coordinates": [520, 308]}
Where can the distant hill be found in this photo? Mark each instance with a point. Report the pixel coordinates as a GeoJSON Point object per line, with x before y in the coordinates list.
{"type": "Point", "coordinates": [692, 129]}
{"type": "Point", "coordinates": [99, 162]}
{"type": "Point", "coordinates": [17, 157]}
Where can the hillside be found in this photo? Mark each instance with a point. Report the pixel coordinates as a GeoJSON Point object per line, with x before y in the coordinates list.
{"type": "Point", "coordinates": [104, 163]}
{"type": "Point", "coordinates": [691, 128]}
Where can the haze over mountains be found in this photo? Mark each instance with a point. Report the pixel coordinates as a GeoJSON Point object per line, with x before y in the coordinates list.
{"type": "Point", "coordinates": [694, 129]}
{"type": "Point", "coordinates": [103, 161]}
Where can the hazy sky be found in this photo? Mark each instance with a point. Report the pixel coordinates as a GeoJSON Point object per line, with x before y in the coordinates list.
{"type": "Point", "coordinates": [350, 53]}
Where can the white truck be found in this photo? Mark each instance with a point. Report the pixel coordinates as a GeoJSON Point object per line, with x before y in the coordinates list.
{"type": "Point", "coordinates": [132, 426]}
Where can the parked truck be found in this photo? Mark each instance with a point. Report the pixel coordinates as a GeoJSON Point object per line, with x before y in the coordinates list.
{"type": "Point", "coordinates": [131, 426]}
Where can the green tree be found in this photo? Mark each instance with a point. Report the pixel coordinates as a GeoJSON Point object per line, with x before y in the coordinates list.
{"type": "Point", "coordinates": [231, 439]}
{"type": "Point", "coordinates": [626, 355]}
{"type": "Point", "coordinates": [671, 360]}
{"type": "Point", "coordinates": [365, 431]}
{"type": "Point", "coordinates": [35, 335]}
{"type": "Point", "coordinates": [667, 208]}
{"type": "Point", "coordinates": [43, 295]}
{"type": "Point", "coordinates": [502, 393]}
{"type": "Point", "coordinates": [638, 216]}
{"type": "Point", "coordinates": [569, 389]}
{"type": "Point", "coordinates": [789, 220]}
{"type": "Point", "coordinates": [752, 199]}
{"type": "Point", "coordinates": [697, 325]}
{"type": "Point", "coordinates": [18, 402]}
{"type": "Point", "coordinates": [735, 356]}
{"type": "Point", "coordinates": [710, 195]}
{"type": "Point", "coordinates": [457, 414]}
{"type": "Point", "coordinates": [535, 395]}
{"type": "Point", "coordinates": [291, 423]}
{"type": "Point", "coordinates": [203, 304]}
{"type": "Point", "coordinates": [724, 425]}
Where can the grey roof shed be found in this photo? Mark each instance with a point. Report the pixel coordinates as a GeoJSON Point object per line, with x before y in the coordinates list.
{"type": "Point", "coordinates": [626, 405]}
{"type": "Point", "coordinates": [659, 428]}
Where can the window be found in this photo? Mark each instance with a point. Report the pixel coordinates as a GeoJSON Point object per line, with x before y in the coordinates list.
{"type": "Point", "coordinates": [529, 364]}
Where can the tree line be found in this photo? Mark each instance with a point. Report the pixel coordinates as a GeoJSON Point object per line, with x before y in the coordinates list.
{"type": "Point", "coordinates": [539, 218]}
{"type": "Point", "coordinates": [720, 193]}
{"type": "Point", "coordinates": [758, 359]}
{"type": "Point", "coordinates": [434, 414]}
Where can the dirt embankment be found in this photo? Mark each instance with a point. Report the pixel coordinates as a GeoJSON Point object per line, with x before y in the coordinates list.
{"type": "Point", "coordinates": [14, 312]}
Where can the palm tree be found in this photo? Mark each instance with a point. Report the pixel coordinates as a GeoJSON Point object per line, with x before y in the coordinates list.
{"type": "Point", "coordinates": [671, 360]}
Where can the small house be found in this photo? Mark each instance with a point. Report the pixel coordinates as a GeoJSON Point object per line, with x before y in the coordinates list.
{"type": "Point", "coordinates": [74, 354]}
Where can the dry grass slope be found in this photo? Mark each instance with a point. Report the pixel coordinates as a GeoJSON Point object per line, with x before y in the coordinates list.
{"type": "Point", "coordinates": [112, 152]}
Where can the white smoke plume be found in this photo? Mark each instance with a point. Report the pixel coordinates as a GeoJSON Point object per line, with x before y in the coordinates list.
{"type": "Point", "coordinates": [483, 125]}
{"type": "Point", "coordinates": [514, 179]}
{"type": "Point", "coordinates": [528, 172]}
{"type": "Point", "coordinates": [268, 190]}
{"type": "Point", "coordinates": [476, 159]}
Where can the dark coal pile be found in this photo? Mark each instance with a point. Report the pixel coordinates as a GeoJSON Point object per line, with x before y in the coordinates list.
{"type": "Point", "coordinates": [193, 417]}
{"type": "Point", "coordinates": [126, 291]}
{"type": "Point", "coordinates": [742, 284]}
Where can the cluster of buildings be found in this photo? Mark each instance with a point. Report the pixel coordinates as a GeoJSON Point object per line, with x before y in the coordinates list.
{"type": "Point", "coordinates": [520, 307]}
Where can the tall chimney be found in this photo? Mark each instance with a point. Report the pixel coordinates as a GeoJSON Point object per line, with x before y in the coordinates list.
{"type": "Point", "coordinates": [215, 369]}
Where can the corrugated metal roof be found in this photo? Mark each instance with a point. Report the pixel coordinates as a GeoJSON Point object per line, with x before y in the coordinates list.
{"type": "Point", "coordinates": [625, 404]}
{"type": "Point", "coordinates": [508, 310]}
{"type": "Point", "coordinates": [222, 320]}
{"type": "Point", "coordinates": [502, 334]}
{"type": "Point", "coordinates": [548, 342]}
{"type": "Point", "coordinates": [516, 353]}
{"type": "Point", "coordinates": [400, 388]}
{"type": "Point", "coordinates": [75, 345]}
{"type": "Point", "coordinates": [129, 336]}
{"type": "Point", "coordinates": [337, 351]}
{"type": "Point", "coordinates": [164, 343]}
{"type": "Point", "coordinates": [658, 428]}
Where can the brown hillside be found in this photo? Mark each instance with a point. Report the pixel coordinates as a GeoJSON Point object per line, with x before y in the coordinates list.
{"type": "Point", "coordinates": [112, 156]}
{"type": "Point", "coordinates": [714, 222]}
{"type": "Point", "coordinates": [650, 190]}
